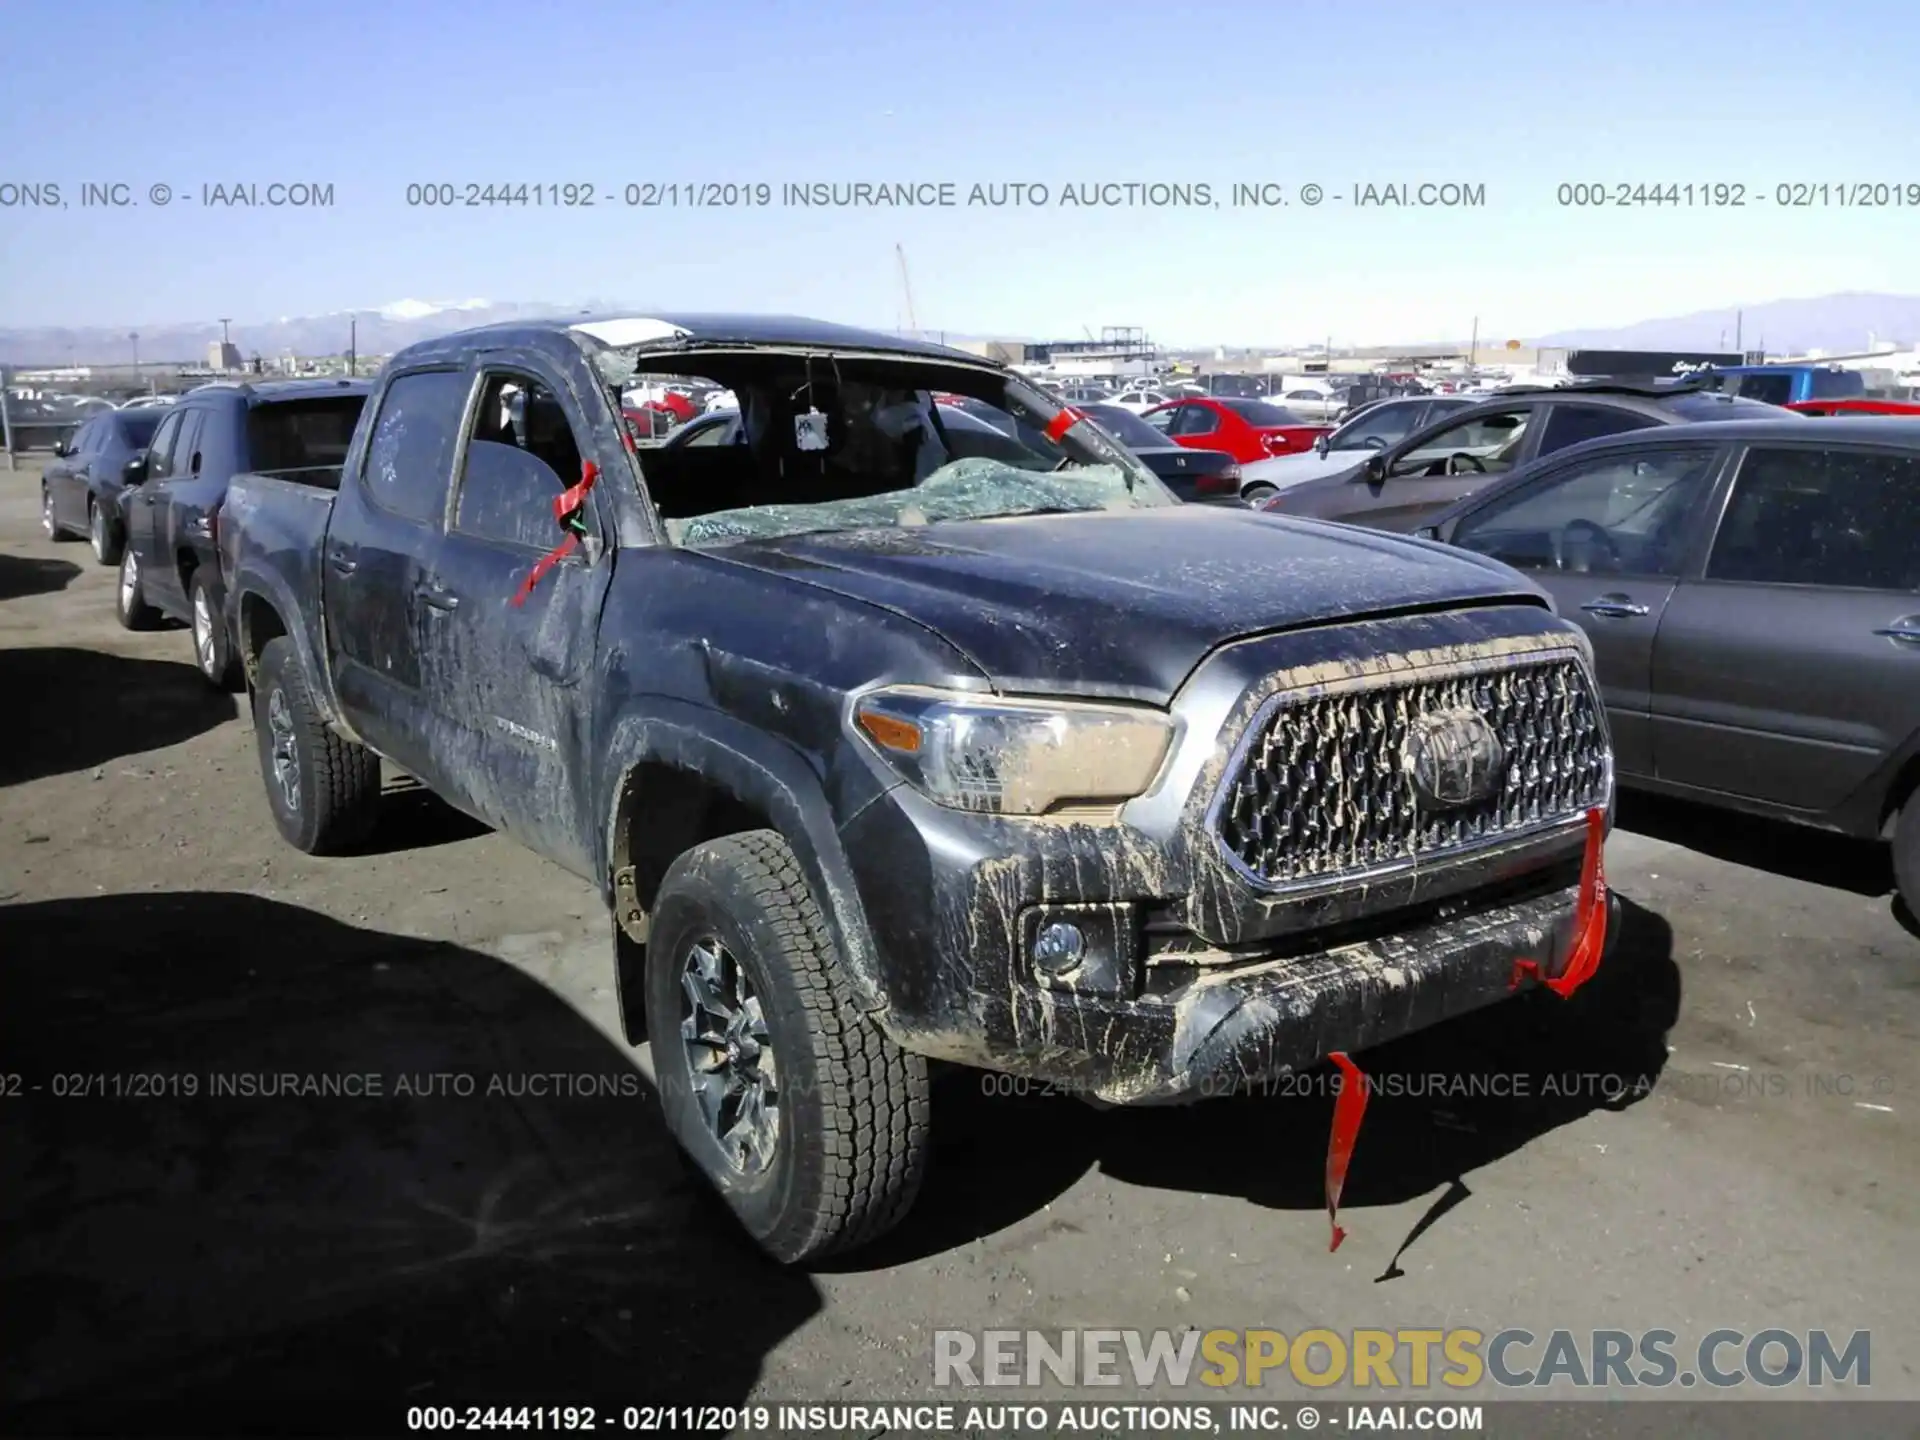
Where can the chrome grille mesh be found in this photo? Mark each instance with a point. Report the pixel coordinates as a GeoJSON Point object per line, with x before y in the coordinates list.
{"type": "Point", "coordinates": [1322, 788]}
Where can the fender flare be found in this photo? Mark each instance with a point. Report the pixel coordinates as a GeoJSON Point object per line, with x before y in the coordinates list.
{"type": "Point", "coordinates": [767, 773]}
{"type": "Point", "coordinates": [271, 588]}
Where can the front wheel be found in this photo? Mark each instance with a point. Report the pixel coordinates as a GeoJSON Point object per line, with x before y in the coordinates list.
{"type": "Point", "coordinates": [129, 596]}
{"type": "Point", "coordinates": [324, 790]}
{"type": "Point", "coordinates": [809, 1121]}
{"type": "Point", "coordinates": [50, 527]}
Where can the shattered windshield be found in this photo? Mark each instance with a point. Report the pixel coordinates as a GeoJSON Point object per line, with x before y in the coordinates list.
{"type": "Point", "coordinates": [829, 442]}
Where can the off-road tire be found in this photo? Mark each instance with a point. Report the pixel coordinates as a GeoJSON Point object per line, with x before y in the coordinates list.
{"type": "Point", "coordinates": [221, 669]}
{"type": "Point", "coordinates": [853, 1133]}
{"type": "Point", "coordinates": [129, 596]}
{"type": "Point", "coordinates": [338, 782]}
{"type": "Point", "coordinates": [103, 534]}
{"type": "Point", "coordinates": [1906, 853]}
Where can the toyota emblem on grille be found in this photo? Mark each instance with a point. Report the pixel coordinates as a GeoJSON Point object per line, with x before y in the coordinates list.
{"type": "Point", "coordinates": [1454, 758]}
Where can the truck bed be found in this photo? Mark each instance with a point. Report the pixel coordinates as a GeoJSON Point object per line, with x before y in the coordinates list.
{"type": "Point", "coordinates": [273, 532]}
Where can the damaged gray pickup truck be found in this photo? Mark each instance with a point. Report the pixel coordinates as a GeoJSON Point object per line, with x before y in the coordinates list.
{"type": "Point", "coordinates": [889, 742]}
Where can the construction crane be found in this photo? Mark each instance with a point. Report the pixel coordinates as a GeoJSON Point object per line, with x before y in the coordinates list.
{"type": "Point", "coordinates": [906, 290]}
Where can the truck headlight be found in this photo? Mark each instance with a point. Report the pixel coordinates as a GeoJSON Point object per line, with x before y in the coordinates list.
{"type": "Point", "coordinates": [1014, 757]}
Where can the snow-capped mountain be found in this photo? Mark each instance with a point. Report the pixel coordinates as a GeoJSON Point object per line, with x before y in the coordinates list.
{"type": "Point", "coordinates": [376, 331]}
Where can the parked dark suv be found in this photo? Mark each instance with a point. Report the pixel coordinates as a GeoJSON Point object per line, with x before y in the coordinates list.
{"type": "Point", "coordinates": [1752, 592]}
{"type": "Point", "coordinates": [1407, 483]}
{"type": "Point", "coordinates": [80, 490]}
{"type": "Point", "coordinates": [170, 505]}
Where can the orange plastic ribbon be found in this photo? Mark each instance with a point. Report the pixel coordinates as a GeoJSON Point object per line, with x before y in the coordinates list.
{"type": "Point", "coordinates": [567, 506]}
{"type": "Point", "coordinates": [1063, 422]}
{"type": "Point", "coordinates": [1349, 1107]}
{"type": "Point", "coordinates": [1589, 919]}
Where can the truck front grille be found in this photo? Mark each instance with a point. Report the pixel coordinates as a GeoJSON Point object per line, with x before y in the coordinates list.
{"type": "Point", "coordinates": [1324, 786]}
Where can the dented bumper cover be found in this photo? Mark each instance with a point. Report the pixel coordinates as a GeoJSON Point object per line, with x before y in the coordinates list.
{"type": "Point", "coordinates": [1198, 980]}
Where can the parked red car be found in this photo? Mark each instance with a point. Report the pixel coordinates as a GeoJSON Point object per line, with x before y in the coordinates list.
{"type": "Point", "coordinates": [1856, 407]}
{"type": "Point", "coordinates": [1248, 430]}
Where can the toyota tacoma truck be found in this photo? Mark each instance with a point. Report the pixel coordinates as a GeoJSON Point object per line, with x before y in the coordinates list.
{"type": "Point", "coordinates": [885, 753]}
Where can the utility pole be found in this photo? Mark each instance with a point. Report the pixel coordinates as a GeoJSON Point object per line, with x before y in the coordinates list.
{"type": "Point", "coordinates": [134, 336]}
{"type": "Point", "coordinates": [353, 345]}
{"type": "Point", "coordinates": [1739, 323]}
{"type": "Point", "coordinates": [906, 291]}
{"type": "Point", "coordinates": [1473, 347]}
{"type": "Point", "coordinates": [6, 415]}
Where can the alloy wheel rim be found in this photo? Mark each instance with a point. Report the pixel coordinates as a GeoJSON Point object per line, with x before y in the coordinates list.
{"type": "Point", "coordinates": [97, 529]}
{"type": "Point", "coordinates": [729, 1049]}
{"type": "Point", "coordinates": [46, 510]}
{"type": "Point", "coordinates": [129, 580]}
{"type": "Point", "coordinates": [203, 631]}
{"type": "Point", "coordinates": [281, 750]}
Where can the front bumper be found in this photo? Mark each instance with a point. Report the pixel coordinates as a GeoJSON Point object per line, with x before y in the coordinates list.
{"type": "Point", "coordinates": [954, 930]}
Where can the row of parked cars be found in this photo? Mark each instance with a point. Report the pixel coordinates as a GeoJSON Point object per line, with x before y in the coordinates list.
{"type": "Point", "coordinates": [902, 714]}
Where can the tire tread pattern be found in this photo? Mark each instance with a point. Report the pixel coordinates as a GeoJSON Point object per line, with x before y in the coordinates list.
{"type": "Point", "coordinates": [874, 1095]}
{"type": "Point", "coordinates": [344, 778]}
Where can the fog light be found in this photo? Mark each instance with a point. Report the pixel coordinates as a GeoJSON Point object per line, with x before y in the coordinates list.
{"type": "Point", "coordinates": [1059, 947]}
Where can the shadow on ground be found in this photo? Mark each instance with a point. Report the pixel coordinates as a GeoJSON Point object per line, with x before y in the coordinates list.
{"type": "Point", "coordinates": [1864, 867]}
{"type": "Point", "coordinates": [1446, 1101]}
{"type": "Point", "coordinates": [412, 817]}
{"type": "Point", "coordinates": [70, 709]}
{"type": "Point", "coordinates": [22, 575]}
{"type": "Point", "coordinates": [229, 1263]}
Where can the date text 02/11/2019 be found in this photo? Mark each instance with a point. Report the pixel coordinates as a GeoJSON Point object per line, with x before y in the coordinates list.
{"type": "Point", "coordinates": [943, 194]}
{"type": "Point", "coordinates": [1736, 195]}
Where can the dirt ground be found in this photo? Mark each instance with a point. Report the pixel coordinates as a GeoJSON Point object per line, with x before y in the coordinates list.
{"type": "Point", "coordinates": [182, 1259]}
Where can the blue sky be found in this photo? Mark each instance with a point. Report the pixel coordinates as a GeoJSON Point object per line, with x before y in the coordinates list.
{"type": "Point", "coordinates": [1518, 97]}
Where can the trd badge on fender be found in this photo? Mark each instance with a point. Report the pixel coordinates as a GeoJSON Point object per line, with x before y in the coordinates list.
{"type": "Point", "coordinates": [1454, 759]}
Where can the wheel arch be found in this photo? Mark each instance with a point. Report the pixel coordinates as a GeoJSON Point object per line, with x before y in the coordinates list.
{"type": "Point", "coordinates": [679, 775]}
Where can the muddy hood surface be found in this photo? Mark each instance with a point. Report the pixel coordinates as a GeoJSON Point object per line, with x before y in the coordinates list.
{"type": "Point", "coordinates": [1126, 603]}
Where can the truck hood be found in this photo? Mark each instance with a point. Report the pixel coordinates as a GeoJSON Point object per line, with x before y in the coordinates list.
{"type": "Point", "coordinates": [1126, 603]}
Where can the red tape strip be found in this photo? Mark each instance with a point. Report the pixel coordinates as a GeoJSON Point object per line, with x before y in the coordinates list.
{"type": "Point", "coordinates": [1349, 1107]}
{"type": "Point", "coordinates": [566, 505]}
{"type": "Point", "coordinates": [541, 566]}
{"type": "Point", "coordinates": [1589, 920]}
{"type": "Point", "coordinates": [1063, 422]}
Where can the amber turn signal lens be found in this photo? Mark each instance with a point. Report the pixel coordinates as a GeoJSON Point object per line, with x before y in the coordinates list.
{"type": "Point", "coordinates": [891, 732]}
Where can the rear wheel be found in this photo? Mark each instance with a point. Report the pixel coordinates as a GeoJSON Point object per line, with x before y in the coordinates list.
{"type": "Point", "coordinates": [50, 527]}
{"type": "Point", "coordinates": [103, 533]}
{"type": "Point", "coordinates": [1906, 853]}
{"type": "Point", "coordinates": [324, 790]}
{"type": "Point", "coordinates": [809, 1121]}
{"type": "Point", "coordinates": [1258, 495]}
{"type": "Point", "coordinates": [129, 599]}
{"type": "Point", "coordinates": [212, 649]}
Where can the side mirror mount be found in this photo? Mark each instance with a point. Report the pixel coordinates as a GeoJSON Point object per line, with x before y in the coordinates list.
{"type": "Point", "coordinates": [62, 448]}
{"type": "Point", "coordinates": [1376, 469]}
{"type": "Point", "coordinates": [134, 472]}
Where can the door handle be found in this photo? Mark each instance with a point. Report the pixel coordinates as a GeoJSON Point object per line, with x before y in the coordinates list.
{"type": "Point", "coordinates": [1907, 630]}
{"type": "Point", "coordinates": [339, 561]}
{"type": "Point", "coordinates": [1617, 607]}
{"type": "Point", "coordinates": [436, 595]}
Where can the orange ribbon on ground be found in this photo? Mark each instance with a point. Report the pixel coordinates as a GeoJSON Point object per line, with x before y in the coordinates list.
{"type": "Point", "coordinates": [1348, 1109]}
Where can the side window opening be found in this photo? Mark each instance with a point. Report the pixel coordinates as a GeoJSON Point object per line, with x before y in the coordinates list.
{"type": "Point", "coordinates": [521, 454]}
{"type": "Point", "coordinates": [410, 454]}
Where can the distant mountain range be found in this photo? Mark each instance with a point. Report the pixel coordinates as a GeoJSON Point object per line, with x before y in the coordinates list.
{"type": "Point", "coordinates": [379, 332]}
{"type": "Point", "coordinates": [1833, 323]}
{"type": "Point", "coordinates": [1846, 322]}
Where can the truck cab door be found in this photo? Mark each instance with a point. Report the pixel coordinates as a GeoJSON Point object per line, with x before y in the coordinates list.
{"type": "Point", "coordinates": [386, 523]}
{"type": "Point", "coordinates": [517, 679]}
